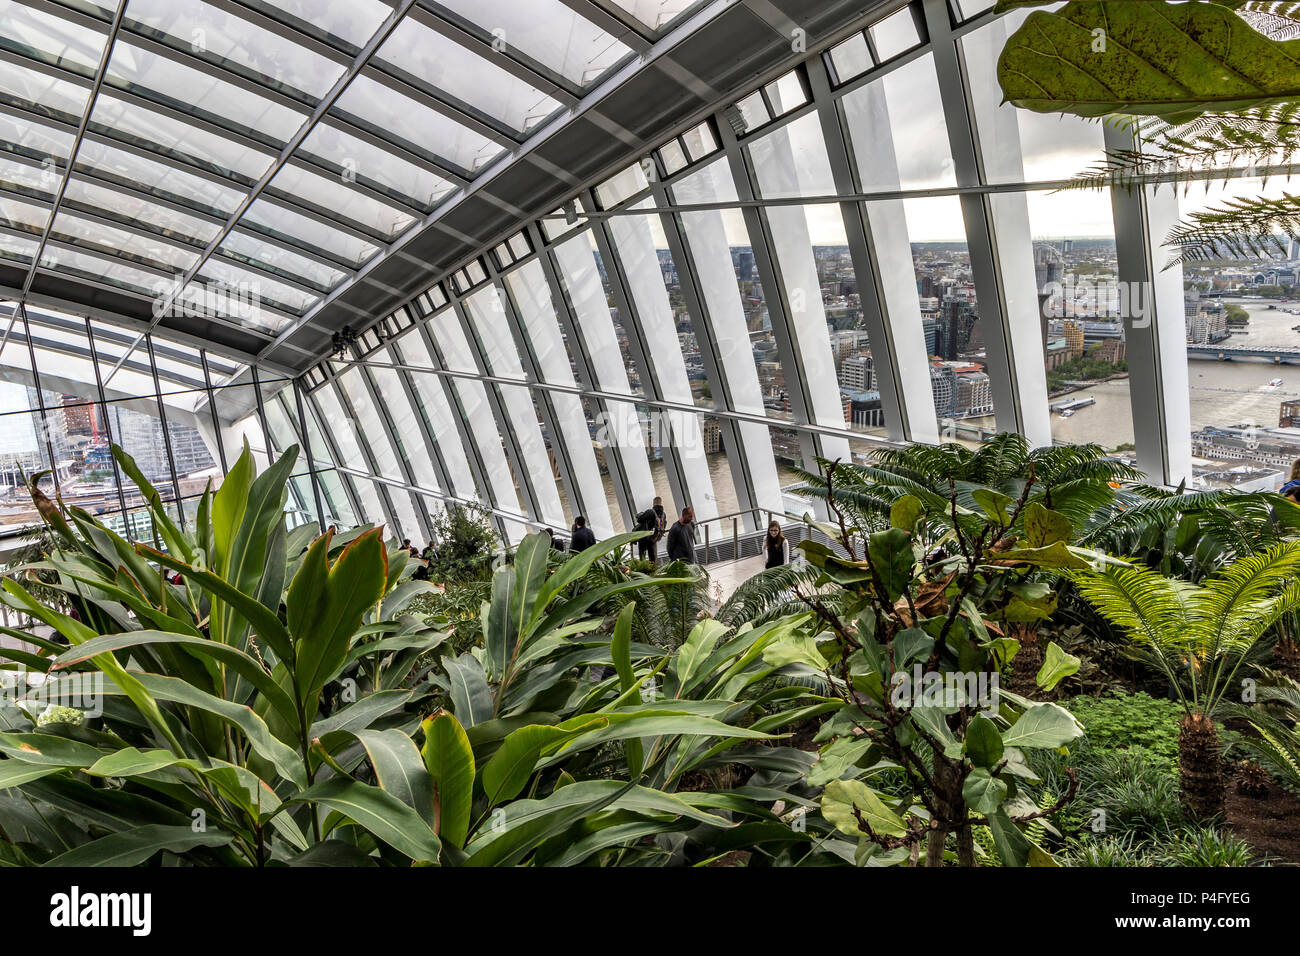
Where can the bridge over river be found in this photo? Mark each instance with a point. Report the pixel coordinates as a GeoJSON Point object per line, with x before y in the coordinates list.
{"type": "Point", "coordinates": [1227, 353]}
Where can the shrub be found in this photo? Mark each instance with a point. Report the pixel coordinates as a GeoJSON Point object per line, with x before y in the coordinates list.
{"type": "Point", "coordinates": [1121, 721]}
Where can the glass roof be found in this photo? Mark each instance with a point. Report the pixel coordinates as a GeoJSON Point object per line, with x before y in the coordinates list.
{"type": "Point", "coordinates": [162, 147]}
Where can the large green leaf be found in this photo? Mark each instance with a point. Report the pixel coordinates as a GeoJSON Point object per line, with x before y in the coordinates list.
{"type": "Point", "coordinates": [1042, 725]}
{"type": "Point", "coordinates": [620, 648]}
{"type": "Point", "coordinates": [982, 791]}
{"type": "Point", "coordinates": [1057, 665]}
{"type": "Point", "coordinates": [450, 762]}
{"type": "Point", "coordinates": [399, 769]}
{"type": "Point", "coordinates": [322, 636]}
{"type": "Point", "coordinates": [506, 772]}
{"type": "Point", "coordinates": [240, 662]}
{"type": "Point", "coordinates": [1174, 60]}
{"type": "Point", "coordinates": [983, 744]}
{"type": "Point", "coordinates": [471, 698]}
{"type": "Point", "coordinates": [847, 802]}
{"type": "Point", "coordinates": [377, 812]}
{"type": "Point", "coordinates": [891, 554]}
{"type": "Point", "coordinates": [133, 847]}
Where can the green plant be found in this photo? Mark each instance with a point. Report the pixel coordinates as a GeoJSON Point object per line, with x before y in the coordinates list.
{"type": "Point", "coordinates": [938, 548]}
{"type": "Point", "coordinates": [1121, 721]}
{"type": "Point", "coordinates": [1122, 850]}
{"type": "Point", "coordinates": [1275, 719]}
{"type": "Point", "coordinates": [1199, 636]}
{"type": "Point", "coordinates": [465, 544]}
{"type": "Point", "coordinates": [1206, 846]}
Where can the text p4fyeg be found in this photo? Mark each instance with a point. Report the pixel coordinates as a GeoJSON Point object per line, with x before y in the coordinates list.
{"type": "Point", "coordinates": [78, 909]}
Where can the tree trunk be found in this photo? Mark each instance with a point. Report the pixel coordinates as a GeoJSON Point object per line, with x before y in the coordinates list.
{"type": "Point", "coordinates": [965, 846]}
{"type": "Point", "coordinates": [1286, 657]}
{"type": "Point", "coordinates": [1025, 665]}
{"type": "Point", "coordinates": [934, 847]}
{"type": "Point", "coordinates": [1200, 766]}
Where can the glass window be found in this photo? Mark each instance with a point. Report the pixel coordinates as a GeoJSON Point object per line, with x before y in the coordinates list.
{"type": "Point", "coordinates": [436, 408]}
{"type": "Point", "coordinates": [134, 67]}
{"type": "Point", "coordinates": [895, 34]}
{"type": "Point", "coordinates": [389, 113]}
{"type": "Point", "coordinates": [447, 66]}
{"type": "Point", "coordinates": [547, 31]}
{"type": "Point", "coordinates": [214, 32]}
{"type": "Point", "coordinates": [1020, 145]}
{"type": "Point", "coordinates": [897, 130]}
{"type": "Point", "coordinates": [373, 165]}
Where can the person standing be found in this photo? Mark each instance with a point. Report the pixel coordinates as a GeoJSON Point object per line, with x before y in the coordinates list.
{"type": "Point", "coordinates": [774, 544]}
{"type": "Point", "coordinates": [655, 521]}
{"type": "Point", "coordinates": [681, 538]}
{"type": "Point", "coordinates": [583, 537]}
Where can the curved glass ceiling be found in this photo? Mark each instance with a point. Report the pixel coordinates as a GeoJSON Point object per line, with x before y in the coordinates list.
{"type": "Point", "coordinates": [161, 147]}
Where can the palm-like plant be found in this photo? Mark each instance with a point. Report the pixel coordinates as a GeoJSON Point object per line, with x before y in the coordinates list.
{"type": "Point", "coordinates": [1200, 636]}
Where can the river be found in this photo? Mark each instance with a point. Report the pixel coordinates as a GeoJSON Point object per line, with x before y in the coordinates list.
{"type": "Point", "coordinates": [1221, 393]}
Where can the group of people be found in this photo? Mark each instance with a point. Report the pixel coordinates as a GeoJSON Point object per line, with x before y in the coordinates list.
{"type": "Point", "coordinates": [680, 536]}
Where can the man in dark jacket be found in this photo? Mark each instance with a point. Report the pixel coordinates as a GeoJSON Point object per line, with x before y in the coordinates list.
{"type": "Point", "coordinates": [681, 538]}
{"type": "Point", "coordinates": [583, 537]}
{"type": "Point", "coordinates": [654, 520]}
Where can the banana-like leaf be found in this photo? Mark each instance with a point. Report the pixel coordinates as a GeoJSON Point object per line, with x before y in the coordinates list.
{"type": "Point", "coordinates": [399, 769]}
{"type": "Point", "coordinates": [133, 847]}
{"type": "Point", "coordinates": [450, 762]}
{"type": "Point", "coordinates": [377, 812]}
{"type": "Point", "coordinates": [240, 662]}
{"type": "Point", "coordinates": [326, 606]}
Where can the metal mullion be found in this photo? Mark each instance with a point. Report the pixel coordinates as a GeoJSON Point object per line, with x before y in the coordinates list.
{"type": "Point", "coordinates": [550, 417]}
{"type": "Point", "coordinates": [1010, 402]}
{"type": "Point", "coordinates": [567, 317]}
{"type": "Point", "coordinates": [468, 443]}
{"type": "Point", "coordinates": [108, 427]}
{"type": "Point", "coordinates": [901, 422]}
{"type": "Point", "coordinates": [385, 502]}
{"type": "Point", "coordinates": [505, 425]}
{"type": "Point", "coordinates": [167, 438]}
{"type": "Point", "coordinates": [513, 61]}
{"type": "Point", "coordinates": [212, 409]}
{"type": "Point", "coordinates": [399, 450]}
{"type": "Point", "coordinates": [702, 324]}
{"type": "Point", "coordinates": [304, 433]}
{"type": "Point", "coordinates": [40, 405]}
{"type": "Point", "coordinates": [331, 448]}
{"type": "Point", "coordinates": [774, 294]}
{"type": "Point", "coordinates": [615, 270]}
{"type": "Point", "coordinates": [427, 437]}
{"type": "Point", "coordinates": [1159, 390]}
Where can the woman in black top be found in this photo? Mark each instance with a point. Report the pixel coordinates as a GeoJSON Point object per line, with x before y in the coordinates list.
{"type": "Point", "coordinates": [774, 543]}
